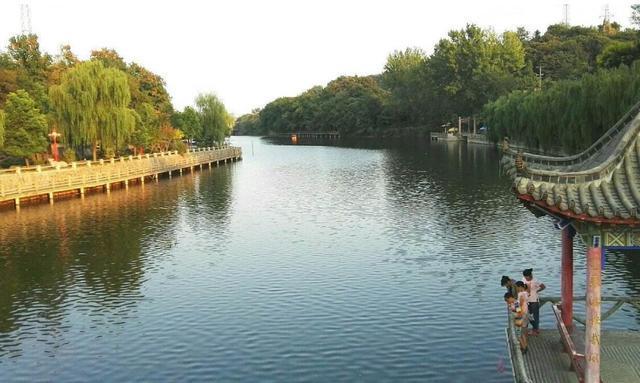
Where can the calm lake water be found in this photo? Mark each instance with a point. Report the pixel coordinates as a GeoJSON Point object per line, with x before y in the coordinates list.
{"type": "Point", "coordinates": [299, 263]}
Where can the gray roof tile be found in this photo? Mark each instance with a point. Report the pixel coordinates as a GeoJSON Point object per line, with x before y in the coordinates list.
{"type": "Point", "coordinates": [602, 182]}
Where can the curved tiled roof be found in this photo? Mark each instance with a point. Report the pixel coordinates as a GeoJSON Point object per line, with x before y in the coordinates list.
{"type": "Point", "coordinates": [600, 184]}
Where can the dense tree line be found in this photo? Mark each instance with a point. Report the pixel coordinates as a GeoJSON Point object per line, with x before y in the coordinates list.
{"type": "Point", "coordinates": [570, 114]}
{"type": "Point", "coordinates": [464, 76]}
{"type": "Point", "coordinates": [597, 84]}
{"type": "Point", "coordinates": [351, 105]}
{"type": "Point", "coordinates": [103, 106]}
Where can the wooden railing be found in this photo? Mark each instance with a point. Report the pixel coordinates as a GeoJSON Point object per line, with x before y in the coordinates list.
{"type": "Point", "coordinates": [578, 362]}
{"type": "Point", "coordinates": [618, 302]}
{"type": "Point", "coordinates": [577, 359]}
{"type": "Point", "coordinates": [29, 182]}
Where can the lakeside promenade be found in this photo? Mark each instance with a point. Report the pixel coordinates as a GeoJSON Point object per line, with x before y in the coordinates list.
{"type": "Point", "coordinates": [48, 182]}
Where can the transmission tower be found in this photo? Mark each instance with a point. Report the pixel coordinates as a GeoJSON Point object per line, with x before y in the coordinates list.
{"type": "Point", "coordinates": [607, 15]}
{"type": "Point", "coordinates": [606, 21]}
{"type": "Point", "coordinates": [25, 18]}
{"type": "Point", "coordinates": [566, 14]}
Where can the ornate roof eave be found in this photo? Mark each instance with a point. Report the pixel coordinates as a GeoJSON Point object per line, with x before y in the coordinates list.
{"type": "Point", "coordinates": [568, 215]}
{"type": "Point", "coordinates": [599, 186]}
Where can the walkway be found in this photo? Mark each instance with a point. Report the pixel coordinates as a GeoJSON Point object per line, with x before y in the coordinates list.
{"type": "Point", "coordinates": [29, 183]}
{"type": "Point", "coordinates": [547, 362]}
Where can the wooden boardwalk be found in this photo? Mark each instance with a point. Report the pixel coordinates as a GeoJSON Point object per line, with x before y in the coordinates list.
{"type": "Point", "coordinates": [334, 135]}
{"type": "Point", "coordinates": [546, 361]}
{"type": "Point", "coordinates": [329, 135]}
{"type": "Point", "coordinates": [21, 184]}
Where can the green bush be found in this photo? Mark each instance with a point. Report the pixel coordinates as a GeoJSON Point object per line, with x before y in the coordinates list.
{"type": "Point", "coordinates": [69, 155]}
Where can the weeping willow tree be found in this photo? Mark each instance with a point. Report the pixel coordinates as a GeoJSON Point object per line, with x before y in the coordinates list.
{"type": "Point", "coordinates": [216, 121]}
{"type": "Point", "coordinates": [570, 115]}
{"type": "Point", "coordinates": [90, 106]}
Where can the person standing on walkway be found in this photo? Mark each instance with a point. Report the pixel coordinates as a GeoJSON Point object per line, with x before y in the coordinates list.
{"type": "Point", "coordinates": [534, 287]}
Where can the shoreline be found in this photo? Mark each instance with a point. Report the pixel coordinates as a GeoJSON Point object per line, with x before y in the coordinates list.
{"type": "Point", "coordinates": [37, 184]}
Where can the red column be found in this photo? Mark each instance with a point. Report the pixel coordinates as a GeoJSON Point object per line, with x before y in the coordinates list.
{"type": "Point", "coordinates": [54, 150]}
{"type": "Point", "coordinates": [567, 277]}
{"type": "Point", "coordinates": [592, 330]}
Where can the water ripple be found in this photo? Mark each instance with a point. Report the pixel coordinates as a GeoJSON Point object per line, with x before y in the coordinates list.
{"type": "Point", "coordinates": [301, 263]}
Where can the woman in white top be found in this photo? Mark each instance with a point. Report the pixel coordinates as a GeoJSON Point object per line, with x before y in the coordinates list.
{"type": "Point", "coordinates": [533, 288]}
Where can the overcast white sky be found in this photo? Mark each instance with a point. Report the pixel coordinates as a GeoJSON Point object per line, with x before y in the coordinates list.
{"type": "Point", "coordinates": [250, 52]}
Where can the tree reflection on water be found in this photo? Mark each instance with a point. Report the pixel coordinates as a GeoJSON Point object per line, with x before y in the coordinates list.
{"type": "Point", "coordinates": [93, 252]}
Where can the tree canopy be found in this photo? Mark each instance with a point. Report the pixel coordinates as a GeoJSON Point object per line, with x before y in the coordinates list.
{"type": "Point", "coordinates": [214, 119]}
{"type": "Point", "coordinates": [25, 127]}
{"type": "Point", "coordinates": [188, 121]}
{"type": "Point", "coordinates": [477, 72]}
{"type": "Point", "coordinates": [569, 115]}
{"type": "Point", "coordinates": [473, 66]}
{"type": "Point", "coordinates": [91, 106]}
{"type": "Point", "coordinates": [406, 78]}
{"type": "Point", "coordinates": [103, 103]}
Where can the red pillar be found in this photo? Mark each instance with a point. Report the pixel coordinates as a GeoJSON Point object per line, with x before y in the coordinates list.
{"type": "Point", "coordinates": [54, 150]}
{"type": "Point", "coordinates": [592, 330]}
{"type": "Point", "coordinates": [567, 276]}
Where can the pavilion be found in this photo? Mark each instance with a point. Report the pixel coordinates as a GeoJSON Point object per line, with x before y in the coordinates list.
{"type": "Point", "coordinates": [596, 195]}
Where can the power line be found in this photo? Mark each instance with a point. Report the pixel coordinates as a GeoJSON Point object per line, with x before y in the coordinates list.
{"type": "Point", "coordinates": [566, 14]}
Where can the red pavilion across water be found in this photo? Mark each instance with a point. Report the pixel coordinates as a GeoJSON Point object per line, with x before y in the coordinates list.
{"type": "Point", "coordinates": [596, 195]}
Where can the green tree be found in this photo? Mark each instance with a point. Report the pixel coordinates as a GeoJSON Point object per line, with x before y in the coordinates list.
{"type": "Point", "coordinates": [91, 106]}
{"type": "Point", "coordinates": [410, 92]}
{"type": "Point", "coordinates": [618, 53]}
{"type": "Point", "coordinates": [188, 121]}
{"type": "Point", "coordinates": [569, 52]}
{"type": "Point", "coordinates": [31, 67]}
{"type": "Point", "coordinates": [248, 124]}
{"type": "Point", "coordinates": [149, 97]}
{"type": "Point", "coordinates": [150, 88]}
{"type": "Point", "coordinates": [61, 63]}
{"type": "Point", "coordinates": [473, 66]}
{"type": "Point", "coordinates": [352, 105]}
{"type": "Point", "coordinates": [215, 119]}
{"type": "Point", "coordinates": [274, 118]}
{"type": "Point", "coordinates": [109, 58]}
{"type": "Point", "coordinates": [25, 127]}
{"type": "Point", "coordinates": [569, 114]}
{"type": "Point", "coordinates": [8, 76]}
{"type": "Point", "coordinates": [25, 50]}
{"type": "Point", "coordinates": [147, 126]}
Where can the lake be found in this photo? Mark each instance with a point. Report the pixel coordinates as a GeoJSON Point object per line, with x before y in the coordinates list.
{"type": "Point", "coordinates": [350, 261]}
